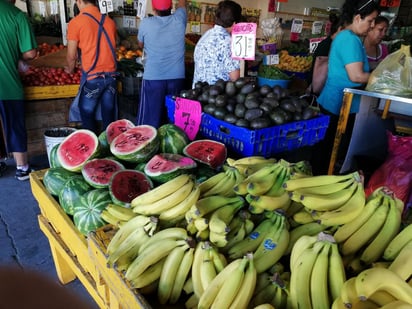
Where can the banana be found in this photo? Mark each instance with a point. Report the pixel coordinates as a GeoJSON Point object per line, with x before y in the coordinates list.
{"type": "Point", "coordinates": [346, 230]}
{"type": "Point", "coordinates": [192, 302]}
{"type": "Point", "coordinates": [398, 304]}
{"type": "Point", "coordinates": [220, 218]}
{"type": "Point", "coordinates": [251, 160]}
{"type": "Point", "coordinates": [219, 260]}
{"type": "Point", "coordinates": [218, 239]}
{"type": "Point", "coordinates": [182, 274]}
{"type": "Point", "coordinates": [166, 203]}
{"type": "Point", "coordinates": [321, 180]}
{"type": "Point", "coordinates": [169, 272]}
{"type": "Point", "coordinates": [265, 295]}
{"type": "Point", "coordinates": [303, 243]}
{"type": "Point", "coordinates": [382, 279]}
{"type": "Point", "coordinates": [262, 185]}
{"type": "Point", "coordinates": [149, 276]}
{"type": "Point", "coordinates": [109, 218]}
{"type": "Point", "coordinates": [328, 188]}
{"type": "Point", "coordinates": [211, 182]}
{"type": "Point", "coordinates": [367, 231]}
{"type": "Point", "coordinates": [259, 175]}
{"type": "Point", "coordinates": [235, 236]}
{"type": "Point", "coordinates": [310, 229]}
{"type": "Point", "coordinates": [349, 294]}
{"type": "Point", "coordinates": [176, 233]}
{"type": "Point", "coordinates": [264, 306]}
{"type": "Point", "coordinates": [208, 296]}
{"type": "Point", "coordinates": [381, 298]}
{"type": "Point", "coordinates": [207, 268]}
{"type": "Point", "coordinates": [397, 243]}
{"type": "Point", "coordinates": [279, 300]}
{"type": "Point", "coordinates": [161, 192]}
{"type": "Point", "coordinates": [389, 230]}
{"type": "Point", "coordinates": [319, 280]}
{"type": "Point", "coordinates": [245, 292]}
{"type": "Point", "coordinates": [336, 272]}
{"type": "Point", "coordinates": [262, 281]}
{"type": "Point", "coordinates": [347, 212]}
{"type": "Point", "coordinates": [198, 258]}
{"type": "Point", "coordinates": [293, 208]}
{"type": "Point", "coordinates": [203, 235]}
{"type": "Point", "coordinates": [402, 264]}
{"type": "Point", "coordinates": [178, 211]}
{"type": "Point", "coordinates": [303, 217]}
{"type": "Point", "coordinates": [224, 187]}
{"type": "Point", "coordinates": [120, 212]}
{"type": "Point", "coordinates": [188, 285]}
{"type": "Point", "coordinates": [201, 224]}
{"type": "Point", "coordinates": [271, 203]}
{"type": "Point", "coordinates": [209, 204]}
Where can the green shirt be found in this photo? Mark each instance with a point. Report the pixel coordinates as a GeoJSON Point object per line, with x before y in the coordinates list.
{"type": "Point", "coordinates": [16, 37]}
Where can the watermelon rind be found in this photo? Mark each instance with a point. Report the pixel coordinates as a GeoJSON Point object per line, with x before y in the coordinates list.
{"type": "Point", "coordinates": [54, 179]}
{"type": "Point", "coordinates": [172, 139]}
{"type": "Point", "coordinates": [136, 145]}
{"type": "Point", "coordinates": [104, 147]}
{"type": "Point", "coordinates": [97, 172]}
{"type": "Point", "coordinates": [71, 192]}
{"type": "Point", "coordinates": [87, 212]}
{"type": "Point", "coordinates": [54, 160]}
{"type": "Point", "coordinates": [117, 127]}
{"type": "Point", "coordinates": [166, 166]}
{"type": "Point", "coordinates": [126, 184]}
{"type": "Point", "coordinates": [206, 151]}
{"type": "Point", "coordinates": [77, 148]}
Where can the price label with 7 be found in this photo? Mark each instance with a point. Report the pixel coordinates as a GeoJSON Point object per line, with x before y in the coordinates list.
{"type": "Point", "coordinates": [243, 41]}
{"type": "Point", "coordinates": [188, 115]}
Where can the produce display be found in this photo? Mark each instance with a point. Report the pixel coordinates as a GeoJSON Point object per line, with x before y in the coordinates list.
{"type": "Point", "coordinates": [49, 76]}
{"type": "Point", "coordinates": [255, 233]}
{"type": "Point", "coordinates": [294, 63]}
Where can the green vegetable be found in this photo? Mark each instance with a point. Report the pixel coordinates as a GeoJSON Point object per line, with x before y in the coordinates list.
{"type": "Point", "coordinates": [271, 72]}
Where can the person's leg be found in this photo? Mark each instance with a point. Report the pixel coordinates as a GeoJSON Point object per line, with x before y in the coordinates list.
{"type": "Point", "coordinates": [152, 101]}
{"type": "Point", "coordinates": [108, 102]}
{"type": "Point", "coordinates": [88, 101]}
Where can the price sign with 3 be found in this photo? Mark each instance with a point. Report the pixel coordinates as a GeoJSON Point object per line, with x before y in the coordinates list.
{"type": "Point", "coordinates": [243, 41]}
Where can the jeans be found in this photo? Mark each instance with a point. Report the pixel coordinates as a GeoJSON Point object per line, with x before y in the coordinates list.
{"type": "Point", "coordinates": [100, 90]}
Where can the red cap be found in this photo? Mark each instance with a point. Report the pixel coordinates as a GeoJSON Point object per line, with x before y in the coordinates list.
{"type": "Point", "coordinates": [161, 5]}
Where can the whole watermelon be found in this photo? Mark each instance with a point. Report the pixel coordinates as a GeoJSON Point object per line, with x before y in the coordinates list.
{"type": "Point", "coordinates": [55, 178]}
{"type": "Point", "coordinates": [71, 192]}
{"type": "Point", "coordinates": [172, 139]}
{"type": "Point", "coordinates": [54, 160]}
{"type": "Point", "coordinates": [86, 216]}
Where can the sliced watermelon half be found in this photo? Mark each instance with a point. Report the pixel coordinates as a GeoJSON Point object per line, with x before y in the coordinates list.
{"type": "Point", "coordinates": [207, 151]}
{"type": "Point", "coordinates": [126, 184]}
{"type": "Point", "coordinates": [136, 145]}
{"type": "Point", "coordinates": [166, 166]}
{"type": "Point", "coordinates": [117, 127]}
{"type": "Point", "coordinates": [97, 172]}
{"type": "Point", "coordinates": [77, 148]}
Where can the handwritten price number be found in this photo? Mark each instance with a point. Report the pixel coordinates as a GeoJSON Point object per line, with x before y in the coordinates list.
{"type": "Point", "coordinates": [297, 26]}
{"type": "Point", "coordinates": [129, 22]}
{"type": "Point", "coordinates": [243, 41]}
{"type": "Point", "coordinates": [317, 27]}
{"type": "Point", "coordinates": [106, 6]}
{"type": "Point", "coordinates": [188, 115]}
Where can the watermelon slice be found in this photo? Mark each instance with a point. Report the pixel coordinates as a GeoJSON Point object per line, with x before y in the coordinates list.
{"type": "Point", "coordinates": [126, 184]}
{"type": "Point", "coordinates": [166, 166]}
{"type": "Point", "coordinates": [77, 148]}
{"type": "Point", "coordinates": [97, 172]}
{"type": "Point", "coordinates": [208, 152]}
{"type": "Point", "coordinates": [117, 127]}
{"type": "Point", "coordinates": [172, 139]}
{"type": "Point", "coordinates": [136, 145]}
{"type": "Point", "coordinates": [104, 144]}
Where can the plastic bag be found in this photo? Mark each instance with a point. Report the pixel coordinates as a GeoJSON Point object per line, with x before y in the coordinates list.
{"type": "Point", "coordinates": [396, 172]}
{"type": "Point", "coordinates": [394, 74]}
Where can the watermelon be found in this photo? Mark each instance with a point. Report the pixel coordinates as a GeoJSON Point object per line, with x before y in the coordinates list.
{"type": "Point", "coordinates": [117, 127]}
{"type": "Point", "coordinates": [86, 216]}
{"type": "Point", "coordinates": [126, 184]}
{"type": "Point", "coordinates": [77, 148]}
{"type": "Point", "coordinates": [136, 145]}
{"type": "Point", "coordinates": [71, 192]}
{"type": "Point", "coordinates": [166, 166]}
{"type": "Point", "coordinates": [54, 160]}
{"type": "Point", "coordinates": [97, 172]}
{"type": "Point", "coordinates": [208, 152]}
{"type": "Point", "coordinates": [103, 144]}
{"type": "Point", "coordinates": [172, 139]}
{"type": "Point", "coordinates": [55, 178]}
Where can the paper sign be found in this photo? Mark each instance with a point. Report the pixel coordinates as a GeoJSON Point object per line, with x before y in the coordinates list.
{"type": "Point", "coordinates": [106, 6]}
{"type": "Point", "coordinates": [140, 7]}
{"type": "Point", "coordinates": [243, 41]}
{"type": "Point", "coordinates": [297, 25]}
{"type": "Point", "coordinates": [42, 8]}
{"type": "Point", "coordinates": [188, 115]}
{"type": "Point", "coordinates": [54, 7]}
{"type": "Point", "coordinates": [129, 21]}
{"type": "Point", "coordinates": [195, 26]}
{"type": "Point", "coordinates": [317, 27]}
{"type": "Point", "coordinates": [313, 43]}
{"type": "Point", "coordinates": [271, 59]}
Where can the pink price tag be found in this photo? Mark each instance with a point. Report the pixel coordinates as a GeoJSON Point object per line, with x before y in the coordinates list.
{"type": "Point", "coordinates": [244, 41]}
{"type": "Point", "coordinates": [188, 115]}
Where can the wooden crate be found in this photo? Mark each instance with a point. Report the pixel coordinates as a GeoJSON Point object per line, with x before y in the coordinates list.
{"type": "Point", "coordinates": [50, 92]}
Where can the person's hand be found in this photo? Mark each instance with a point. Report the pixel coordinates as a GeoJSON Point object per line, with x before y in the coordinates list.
{"type": "Point", "coordinates": [67, 70]}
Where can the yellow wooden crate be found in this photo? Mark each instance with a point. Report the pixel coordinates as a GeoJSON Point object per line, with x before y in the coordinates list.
{"type": "Point", "coordinates": [50, 92]}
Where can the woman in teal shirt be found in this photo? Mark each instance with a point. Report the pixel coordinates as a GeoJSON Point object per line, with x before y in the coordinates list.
{"type": "Point", "coordinates": [348, 68]}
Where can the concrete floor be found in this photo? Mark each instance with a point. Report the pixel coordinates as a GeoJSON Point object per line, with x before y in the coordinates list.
{"type": "Point", "coordinates": [22, 243]}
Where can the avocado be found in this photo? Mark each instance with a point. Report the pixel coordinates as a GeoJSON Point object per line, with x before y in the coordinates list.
{"type": "Point", "coordinates": [252, 103]}
{"type": "Point", "coordinates": [264, 90]}
{"type": "Point", "coordinates": [267, 108]}
{"type": "Point", "coordinates": [215, 90]}
{"type": "Point", "coordinates": [212, 99]}
{"type": "Point", "coordinates": [230, 118]}
{"type": "Point", "coordinates": [271, 101]}
{"type": "Point", "coordinates": [242, 123]}
{"type": "Point", "coordinates": [240, 82]}
{"type": "Point", "coordinates": [221, 84]}
{"type": "Point", "coordinates": [209, 108]}
{"type": "Point", "coordinates": [240, 110]}
{"type": "Point", "coordinates": [230, 107]}
{"type": "Point", "coordinates": [221, 100]}
{"type": "Point", "coordinates": [253, 113]}
{"type": "Point", "coordinates": [240, 98]}
{"type": "Point", "coordinates": [277, 117]}
{"type": "Point", "coordinates": [287, 105]}
{"type": "Point", "coordinates": [260, 123]}
{"type": "Point", "coordinates": [273, 95]}
{"type": "Point", "coordinates": [220, 113]}
{"type": "Point", "coordinates": [310, 112]}
{"type": "Point", "coordinates": [230, 89]}
{"type": "Point", "coordinates": [248, 88]}
{"type": "Point", "coordinates": [297, 116]}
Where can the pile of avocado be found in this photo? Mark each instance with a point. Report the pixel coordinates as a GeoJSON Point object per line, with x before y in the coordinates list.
{"type": "Point", "coordinates": [245, 104]}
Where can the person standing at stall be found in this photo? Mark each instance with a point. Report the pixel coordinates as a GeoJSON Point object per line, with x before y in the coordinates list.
{"type": "Point", "coordinates": [17, 42]}
{"type": "Point", "coordinates": [162, 38]}
{"type": "Point", "coordinates": [94, 35]}
{"type": "Point", "coordinates": [348, 68]}
{"type": "Point", "coordinates": [212, 55]}
{"type": "Point", "coordinates": [375, 49]}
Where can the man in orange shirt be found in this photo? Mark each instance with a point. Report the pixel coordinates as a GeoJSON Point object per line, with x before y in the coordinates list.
{"type": "Point", "coordinates": [94, 35]}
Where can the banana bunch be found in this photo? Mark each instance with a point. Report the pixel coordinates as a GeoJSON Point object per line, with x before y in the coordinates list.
{"type": "Point", "coordinates": [221, 183]}
{"type": "Point", "coordinates": [117, 215]}
{"type": "Point", "coordinates": [310, 229]}
{"type": "Point", "coordinates": [126, 242]}
{"type": "Point", "coordinates": [270, 289]}
{"type": "Point", "coordinates": [317, 272]}
{"type": "Point", "coordinates": [240, 226]}
{"type": "Point", "coordinates": [377, 286]}
{"type": "Point", "coordinates": [170, 201]}
{"type": "Point", "coordinates": [248, 165]}
{"type": "Point", "coordinates": [232, 287]}
{"type": "Point", "coordinates": [403, 238]}
{"type": "Point", "coordinates": [370, 233]}
{"type": "Point", "coordinates": [331, 199]}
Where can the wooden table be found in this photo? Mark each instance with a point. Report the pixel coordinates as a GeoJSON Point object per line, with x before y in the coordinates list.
{"type": "Point", "coordinates": [348, 94]}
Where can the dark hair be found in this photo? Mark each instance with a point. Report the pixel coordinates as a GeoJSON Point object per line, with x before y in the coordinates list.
{"type": "Point", "coordinates": [227, 13]}
{"type": "Point", "coordinates": [351, 8]}
{"type": "Point", "coordinates": [381, 19]}
{"type": "Point", "coordinates": [164, 12]}
{"type": "Point", "coordinates": [335, 23]}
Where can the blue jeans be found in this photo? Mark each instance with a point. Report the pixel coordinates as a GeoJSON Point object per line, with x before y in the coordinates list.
{"type": "Point", "coordinates": [100, 90]}
{"type": "Point", "coordinates": [14, 125]}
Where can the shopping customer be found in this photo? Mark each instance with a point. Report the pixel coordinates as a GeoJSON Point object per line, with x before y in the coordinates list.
{"type": "Point", "coordinates": [348, 68]}
{"type": "Point", "coordinates": [17, 42]}
{"type": "Point", "coordinates": [375, 49]}
{"type": "Point", "coordinates": [212, 55]}
{"type": "Point", "coordinates": [94, 35]}
{"type": "Point", "coordinates": [162, 38]}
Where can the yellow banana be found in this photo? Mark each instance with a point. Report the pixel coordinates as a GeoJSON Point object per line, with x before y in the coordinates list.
{"type": "Point", "coordinates": [120, 212]}
{"type": "Point", "coordinates": [310, 229]}
{"type": "Point", "coordinates": [398, 304]}
{"type": "Point", "coordinates": [319, 280]}
{"type": "Point", "coordinates": [219, 260]}
{"type": "Point", "coordinates": [234, 236]}
{"type": "Point", "coordinates": [218, 239]}
{"type": "Point", "coordinates": [264, 306]}
{"type": "Point", "coordinates": [150, 275]}
{"type": "Point", "coordinates": [178, 211]}
{"type": "Point", "coordinates": [109, 218]}
{"type": "Point", "coordinates": [397, 243]}
{"type": "Point", "coordinates": [220, 218]}
{"type": "Point", "coordinates": [207, 268]}
{"type": "Point", "coordinates": [271, 203]}
{"type": "Point", "coordinates": [251, 160]}
{"type": "Point", "coordinates": [175, 233]}
{"type": "Point", "coordinates": [336, 272]}
{"type": "Point", "coordinates": [245, 292]}
{"type": "Point", "coordinates": [262, 281]}
{"type": "Point", "coordinates": [402, 264]}
{"type": "Point", "coordinates": [303, 217]}
{"type": "Point", "coordinates": [224, 187]}
{"type": "Point", "coordinates": [181, 276]}
{"type": "Point", "coordinates": [381, 298]}
{"type": "Point", "coordinates": [196, 266]}
{"type": "Point", "coordinates": [310, 181]}
{"type": "Point", "coordinates": [262, 185]}
{"type": "Point", "coordinates": [303, 243]}
{"type": "Point", "coordinates": [209, 204]}
{"type": "Point", "coordinates": [265, 295]}
{"type": "Point", "coordinates": [211, 182]}
{"type": "Point", "coordinates": [349, 294]}
{"type": "Point", "coordinates": [328, 188]}
{"type": "Point", "coordinates": [201, 224]}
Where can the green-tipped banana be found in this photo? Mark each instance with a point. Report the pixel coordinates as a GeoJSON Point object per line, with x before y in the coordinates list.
{"type": "Point", "coordinates": [209, 204]}
{"type": "Point", "coordinates": [336, 272]}
{"type": "Point", "coordinates": [220, 218]}
{"type": "Point", "coordinates": [402, 264]}
{"type": "Point", "coordinates": [309, 229]}
{"type": "Point", "coordinates": [311, 181]}
{"type": "Point", "coordinates": [397, 243]}
{"type": "Point", "coordinates": [149, 276]}
{"type": "Point", "coordinates": [120, 212]}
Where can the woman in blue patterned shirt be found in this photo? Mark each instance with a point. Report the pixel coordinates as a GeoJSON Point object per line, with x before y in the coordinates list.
{"type": "Point", "coordinates": [212, 56]}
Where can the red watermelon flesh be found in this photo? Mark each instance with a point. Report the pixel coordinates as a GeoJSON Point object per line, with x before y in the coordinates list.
{"type": "Point", "coordinates": [206, 151]}
{"type": "Point", "coordinates": [126, 184]}
{"type": "Point", "coordinates": [97, 172]}
{"type": "Point", "coordinates": [117, 127]}
{"type": "Point", "coordinates": [77, 148]}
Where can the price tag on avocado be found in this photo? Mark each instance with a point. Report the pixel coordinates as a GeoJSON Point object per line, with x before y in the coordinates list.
{"type": "Point", "coordinates": [243, 41]}
{"type": "Point", "coordinates": [188, 115]}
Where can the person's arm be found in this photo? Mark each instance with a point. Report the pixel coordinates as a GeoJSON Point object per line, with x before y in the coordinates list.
{"type": "Point", "coordinates": [356, 73]}
{"type": "Point", "coordinates": [71, 56]}
{"type": "Point", "coordinates": [181, 4]}
{"type": "Point", "coordinates": [234, 75]}
{"type": "Point", "coordinates": [30, 54]}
